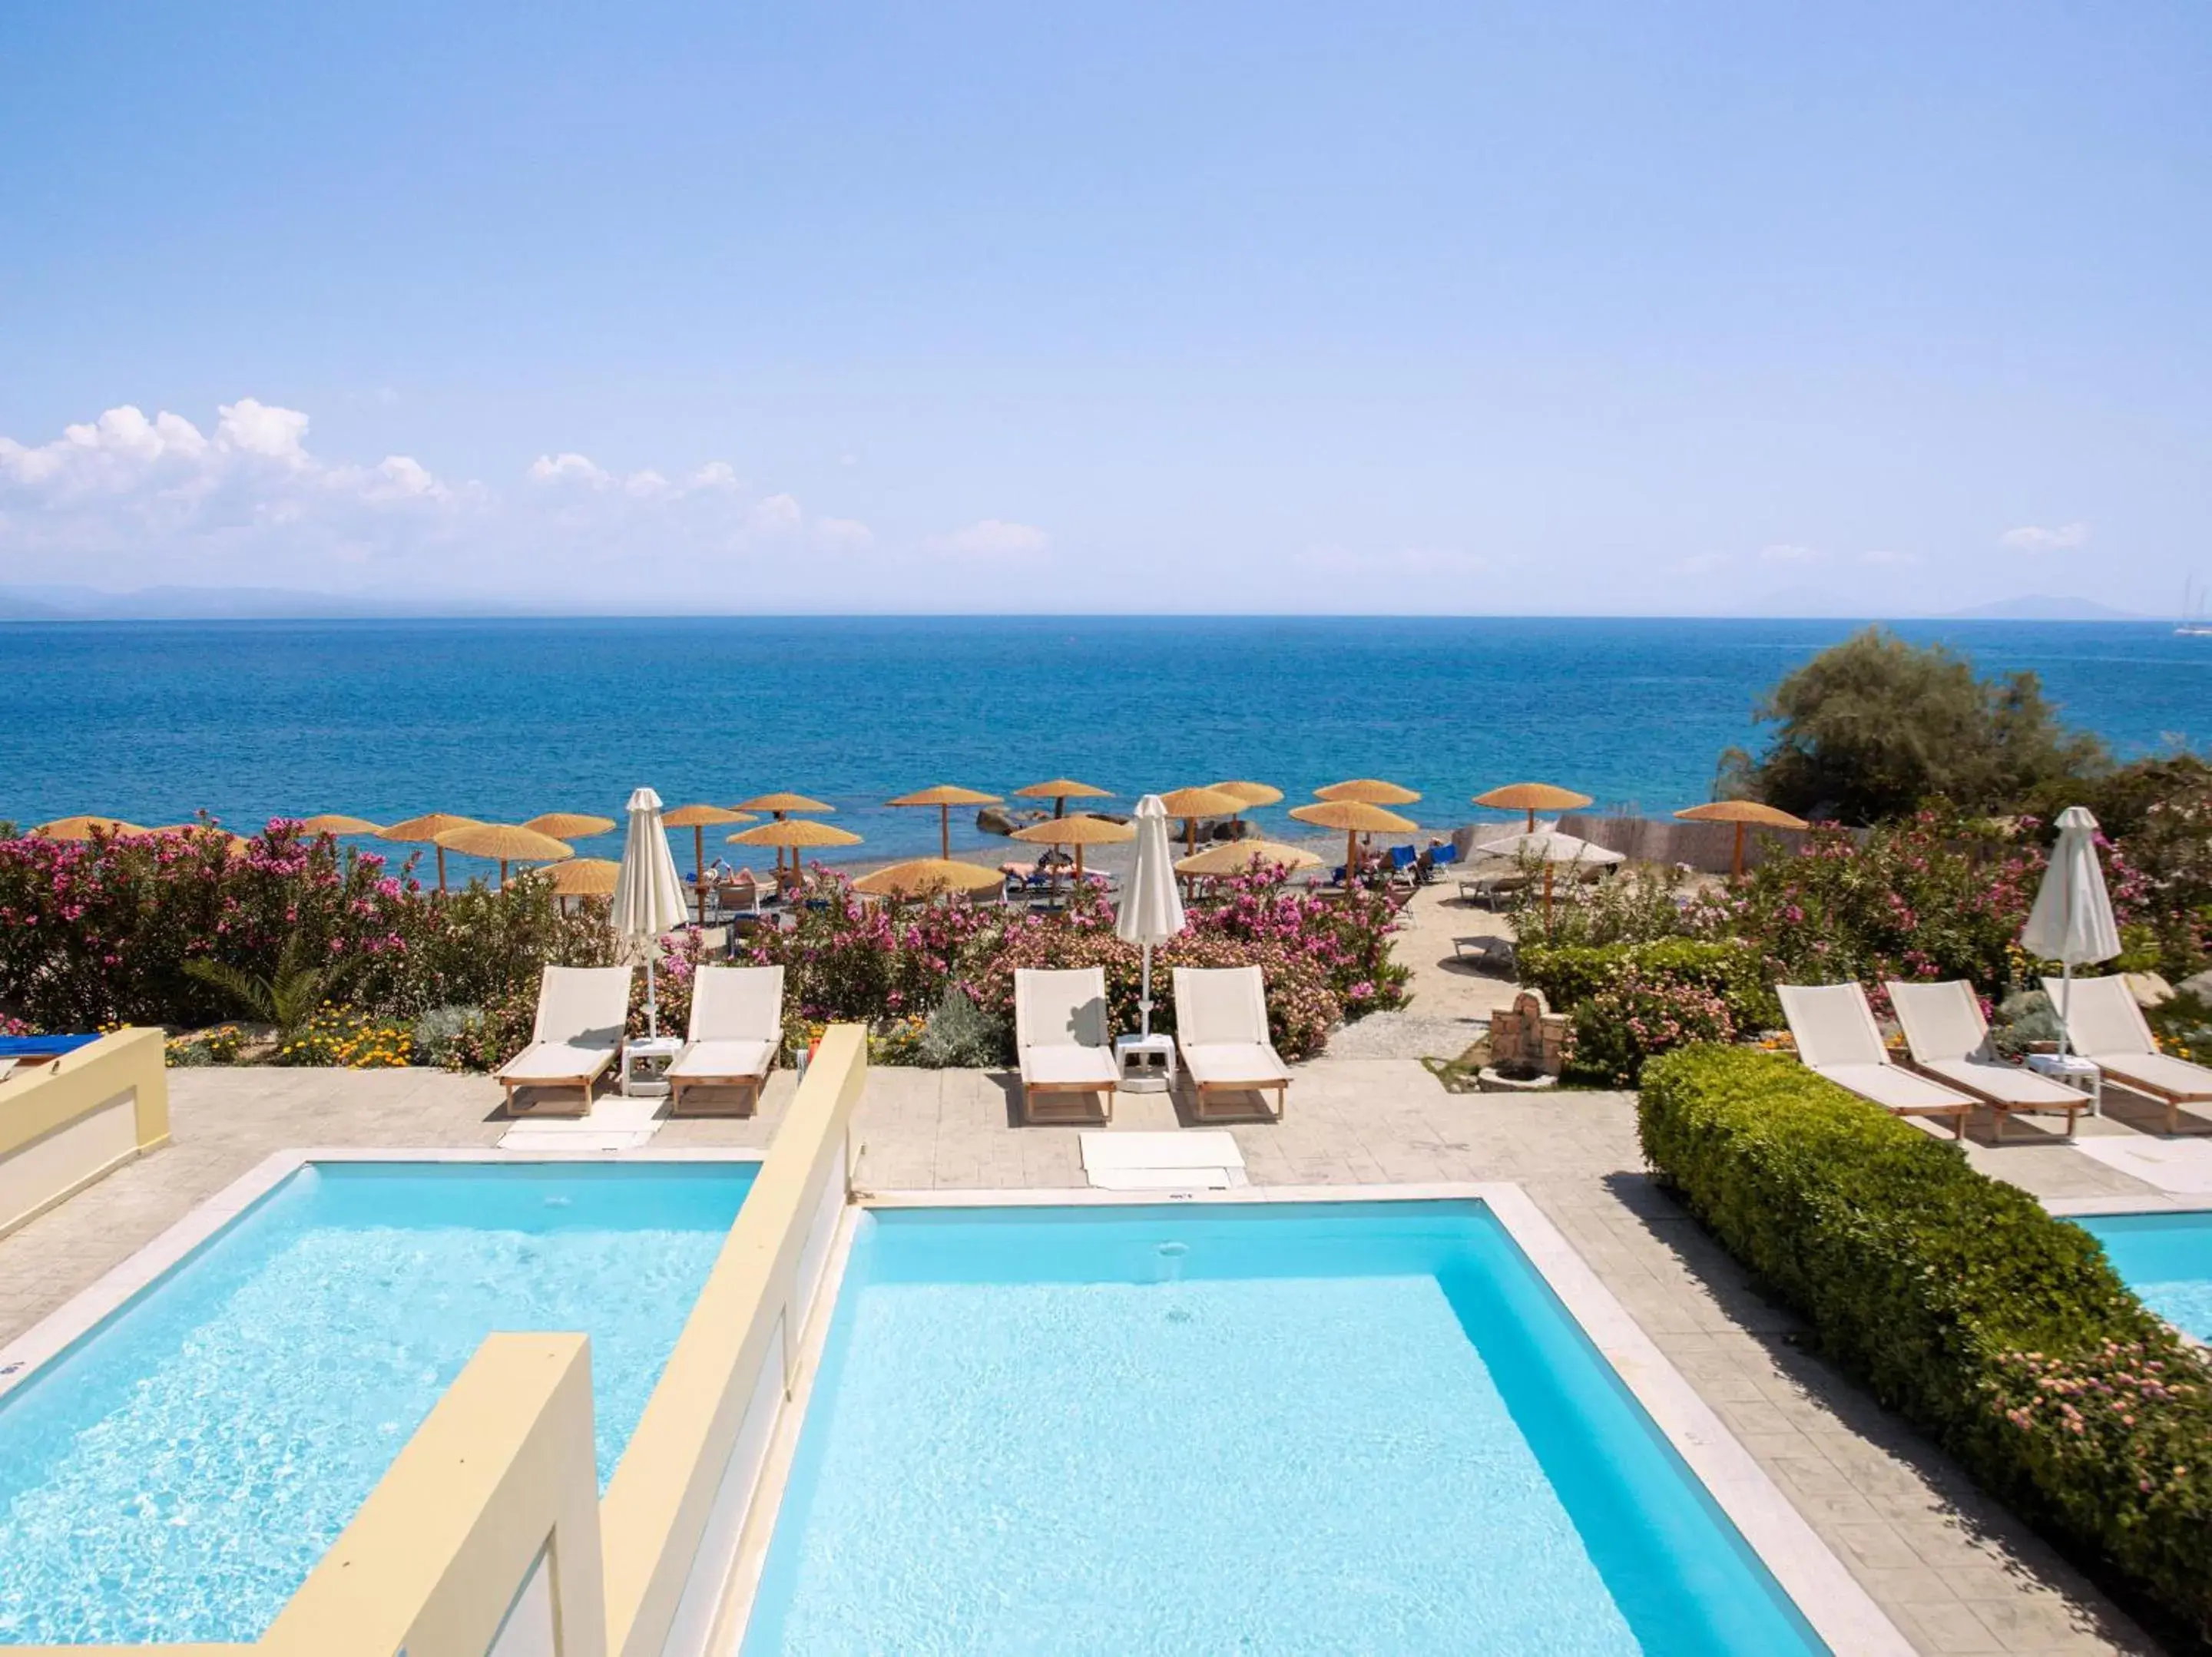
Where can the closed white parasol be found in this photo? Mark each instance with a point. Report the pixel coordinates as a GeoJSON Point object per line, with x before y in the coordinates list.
{"type": "Point", "coordinates": [2072, 921]}
{"type": "Point", "coordinates": [1152, 907]}
{"type": "Point", "coordinates": [648, 897]}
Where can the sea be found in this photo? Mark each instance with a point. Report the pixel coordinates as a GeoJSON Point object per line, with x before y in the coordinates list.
{"type": "Point", "coordinates": [503, 720]}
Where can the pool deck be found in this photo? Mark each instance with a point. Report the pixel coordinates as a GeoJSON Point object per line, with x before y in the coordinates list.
{"type": "Point", "coordinates": [1955, 1573]}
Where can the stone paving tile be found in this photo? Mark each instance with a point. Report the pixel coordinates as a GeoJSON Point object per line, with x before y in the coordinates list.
{"type": "Point", "coordinates": [1956, 1573]}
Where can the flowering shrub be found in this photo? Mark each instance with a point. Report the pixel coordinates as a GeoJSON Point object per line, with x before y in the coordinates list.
{"type": "Point", "coordinates": [218, 1046]}
{"type": "Point", "coordinates": [1635, 1016]}
{"type": "Point", "coordinates": [2000, 1329]}
{"type": "Point", "coordinates": [349, 1038]}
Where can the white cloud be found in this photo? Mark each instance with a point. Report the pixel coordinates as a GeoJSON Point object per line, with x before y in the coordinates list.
{"type": "Point", "coordinates": [255, 428]}
{"type": "Point", "coordinates": [992, 537]}
{"type": "Point", "coordinates": [569, 469]}
{"type": "Point", "coordinates": [2033, 537]}
{"type": "Point", "coordinates": [714, 475]}
{"type": "Point", "coordinates": [779, 514]}
{"type": "Point", "coordinates": [843, 535]}
{"type": "Point", "coordinates": [1789, 552]}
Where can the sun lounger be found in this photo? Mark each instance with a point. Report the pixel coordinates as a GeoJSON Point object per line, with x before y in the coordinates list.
{"type": "Point", "coordinates": [2105, 1027]}
{"type": "Point", "coordinates": [1489, 950]}
{"type": "Point", "coordinates": [1221, 1029]}
{"type": "Point", "coordinates": [737, 1024]}
{"type": "Point", "coordinates": [1948, 1036]}
{"type": "Point", "coordinates": [1837, 1038]}
{"type": "Point", "coordinates": [580, 1014]}
{"type": "Point", "coordinates": [1062, 1037]}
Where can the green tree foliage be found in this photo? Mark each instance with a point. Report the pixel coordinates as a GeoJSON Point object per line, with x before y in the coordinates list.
{"type": "Point", "coordinates": [1870, 729]}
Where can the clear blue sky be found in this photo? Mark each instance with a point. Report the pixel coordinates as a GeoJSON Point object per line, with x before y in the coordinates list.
{"type": "Point", "coordinates": [1564, 307]}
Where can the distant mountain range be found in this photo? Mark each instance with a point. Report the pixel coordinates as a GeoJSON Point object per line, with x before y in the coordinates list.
{"type": "Point", "coordinates": [186, 604]}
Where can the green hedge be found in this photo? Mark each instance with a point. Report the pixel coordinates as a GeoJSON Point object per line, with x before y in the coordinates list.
{"type": "Point", "coordinates": [1569, 973]}
{"type": "Point", "coordinates": [2002, 1331]}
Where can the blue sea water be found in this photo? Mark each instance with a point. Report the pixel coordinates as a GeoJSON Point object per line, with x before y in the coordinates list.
{"type": "Point", "coordinates": [504, 719]}
{"type": "Point", "coordinates": [176, 1475]}
{"type": "Point", "coordinates": [2165, 1258]}
{"type": "Point", "coordinates": [1325, 1429]}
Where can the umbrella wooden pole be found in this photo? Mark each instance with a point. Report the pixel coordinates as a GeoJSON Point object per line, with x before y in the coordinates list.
{"type": "Point", "coordinates": [944, 833]}
{"type": "Point", "coordinates": [1532, 819]}
{"type": "Point", "coordinates": [1078, 865]}
{"type": "Point", "coordinates": [503, 874]}
{"type": "Point", "coordinates": [699, 868]}
{"type": "Point", "coordinates": [441, 872]}
{"type": "Point", "coordinates": [1548, 894]}
{"type": "Point", "coordinates": [1735, 863]}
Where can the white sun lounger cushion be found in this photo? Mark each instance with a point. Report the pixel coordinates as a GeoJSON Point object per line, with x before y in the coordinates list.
{"type": "Point", "coordinates": [2101, 1017]}
{"type": "Point", "coordinates": [715, 1060]}
{"type": "Point", "coordinates": [2161, 1072]}
{"type": "Point", "coordinates": [1891, 1085]}
{"type": "Point", "coordinates": [737, 1003]}
{"type": "Point", "coordinates": [1220, 1063]}
{"type": "Point", "coordinates": [1221, 1006]}
{"type": "Point", "coordinates": [1945, 1029]}
{"type": "Point", "coordinates": [1833, 1023]}
{"type": "Point", "coordinates": [2013, 1085]}
{"type": "Point", "coordinates": [580, 1014]}
{"type": "Point", "coordinates": [1061, 1028]}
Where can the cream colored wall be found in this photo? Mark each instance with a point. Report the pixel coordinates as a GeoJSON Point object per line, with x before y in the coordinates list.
{"type": "Point", "coordinates": [674, 1481]}
{"type": "Point", "coordinates": [64, 1125]}
{"type": "Point", "coordinates": [500, 1473]}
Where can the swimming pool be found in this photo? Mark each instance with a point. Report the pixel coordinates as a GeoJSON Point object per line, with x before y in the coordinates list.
{"type": "Point", "coordinates": [1343, 1427]}
{"type": "Point", "coordinates": [176, 1473]}
{"type": "Point", "coordinates": [2165, 1258]}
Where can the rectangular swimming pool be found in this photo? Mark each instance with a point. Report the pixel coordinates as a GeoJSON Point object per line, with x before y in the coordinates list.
{"type": "Point", "coordinates": [2167, 1258]}
{"type": "Point", "coordinates": [1325, 1428]}
{"type": "Point", "coordinates": [176, 1473]}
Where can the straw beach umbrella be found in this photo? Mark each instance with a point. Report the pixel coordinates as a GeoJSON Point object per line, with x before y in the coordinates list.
{"type": "Point", "coordinates": [1079, 831]}
{"type": "Point", "coordinates": [1532, 797]}
{"type": "Point", "coordinates": [584, 877]}
{"type": "Point", "coordinates": [1192, 803]}
{"type": "Point", "coordinates": [85, 828]}
{"type": "Point", "coordinates": [926, 877]}
{"type": "Point", "coordinates": [792, 834]}
{"type": "Point", "coordinates": [1355, 817]}
{"type": "Point", "coordinates": [1151, 908]}
{"type": "Point", "coordinates": [507, 842]}
{"type": "Point", "coordinates": [337, 822]}
{"type": "Point", "coordinates": [424, 831]}
{"type": "Point", "coordinates": [1060, 791]}
{"type": "Point", "coordinates": [781, 805]}
{"type": "Point", "coordinates": [1253, 794]}
{"type": "Point", "coordinates": [1743, 813]}
{"type": "Point", "coordinates": [649, 899]}
{"type": "Point", "coordinates": [1237, 857]}
{"type": "Point", "coordinates": [945, 796]}
{"type": "Point", "coordinates": [2072, 921]}
{"type": "Point", "coordinates": [698, 819]}
{"type": "Point", "coordinates": [1369, 791]}
{"type": "Point", "coordinates": [571, 825]}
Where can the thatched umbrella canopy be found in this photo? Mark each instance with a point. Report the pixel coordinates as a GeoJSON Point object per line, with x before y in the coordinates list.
{"type": "Point", "coordinates": [1744, 813]}
{"type": "Point", "coordinates": [794, 833]}
{"type": "Point", "coordinates": [506, 842]}
{"type": "Point", "coordinates": [1080, 830]}
{"type": "Point", "coordinates": [781, 805]}
{"type": "Point", "coordinates": [337, 822]}
{"type": "Point", "coordinates": [929, 876]}
{"type": "Point", "coordinates": [1237, 857]}
{"type": "Point", "coordinates": [1192, 803]}
{"type": "Point", "coordinates": [1369, 791]}
{"type": "Point", "coordinates": [233, 845]}
{"type": "Point", "coordinates": [945, 796]}
{"type": "Point", "coordinates": [1253, 794]}
{"type": "Point", "coordinates": [424, 831]}
{"type": "Point", "coordinates": [1060, 791]}
{"type": "Point", "coordinates": [1355, 817]}
{"type": "Point", "coordinates": [85, 828]}
{"type": "Point", "coordinates": [698, 819]}
{"type": "Point", "coordinates": [1532, 797]}
{"type": "Point", "coordinates": [584, 877]}
{"type": "Point", "coordinates": [571, 825]}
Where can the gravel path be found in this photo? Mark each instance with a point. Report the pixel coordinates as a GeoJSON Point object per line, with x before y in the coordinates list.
{"type": "Point", "coordinates": [1406, 1035]}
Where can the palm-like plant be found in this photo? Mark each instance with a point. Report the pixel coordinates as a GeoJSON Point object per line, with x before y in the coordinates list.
{"type": "Point", "coordinates": [287, 999]}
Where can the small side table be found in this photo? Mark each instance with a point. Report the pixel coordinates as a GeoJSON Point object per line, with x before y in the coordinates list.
{"type": "Point", "coordinates": [1147, 1063]}
{"type": "Point", "coordinates": [2076, 1071]}
{"type": "Point", "coordinates": [647, 1050]}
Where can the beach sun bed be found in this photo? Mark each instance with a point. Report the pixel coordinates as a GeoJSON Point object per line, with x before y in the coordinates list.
{"type": "Point", "coordinates": [1837, 1038]}
{"type": "Point", "coordinates": [1221, 1030]}
{"type": "Point", "coordinates": [2105, 1027]}
{"type": "Point", "coordinates": [1062, 1035]}
{"type": "Point", "coordinates": [736, 1023]}
{"type": "Point", "coordinates": [1945, 1033]}
{"type": "Point", "coordinates": [579, 1029]}
{"type": "Point", "coordinates": [1488, 950]}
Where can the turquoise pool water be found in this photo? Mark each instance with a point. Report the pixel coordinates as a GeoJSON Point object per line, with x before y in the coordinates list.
{"type": "Point", "coordinates": [1326, 1428]}
{"type": "Point", "coordinates": [2165, 1258]}
{"type": "Point", "coordinates": [175, 1475]}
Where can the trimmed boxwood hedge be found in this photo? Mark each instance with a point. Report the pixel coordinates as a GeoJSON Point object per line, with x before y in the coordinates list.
{"type": "Point", "coordinates": [2002, 1331]}
{"type": "Point", "coordinates": [1569, 973]}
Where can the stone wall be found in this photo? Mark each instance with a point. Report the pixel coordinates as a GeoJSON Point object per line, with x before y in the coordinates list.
{"type": "Point", "coordinates": [1528, 1035]}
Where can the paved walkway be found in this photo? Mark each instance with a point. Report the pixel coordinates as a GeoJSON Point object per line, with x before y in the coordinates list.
{"type": "Point", "coordinates": [1956, 1573]}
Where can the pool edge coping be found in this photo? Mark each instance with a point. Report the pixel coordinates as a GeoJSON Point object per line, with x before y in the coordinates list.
{"type": "Point", "coordinates": [1837, 1606]}
{"type": "Point", "coordinates": [76, 1317]}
